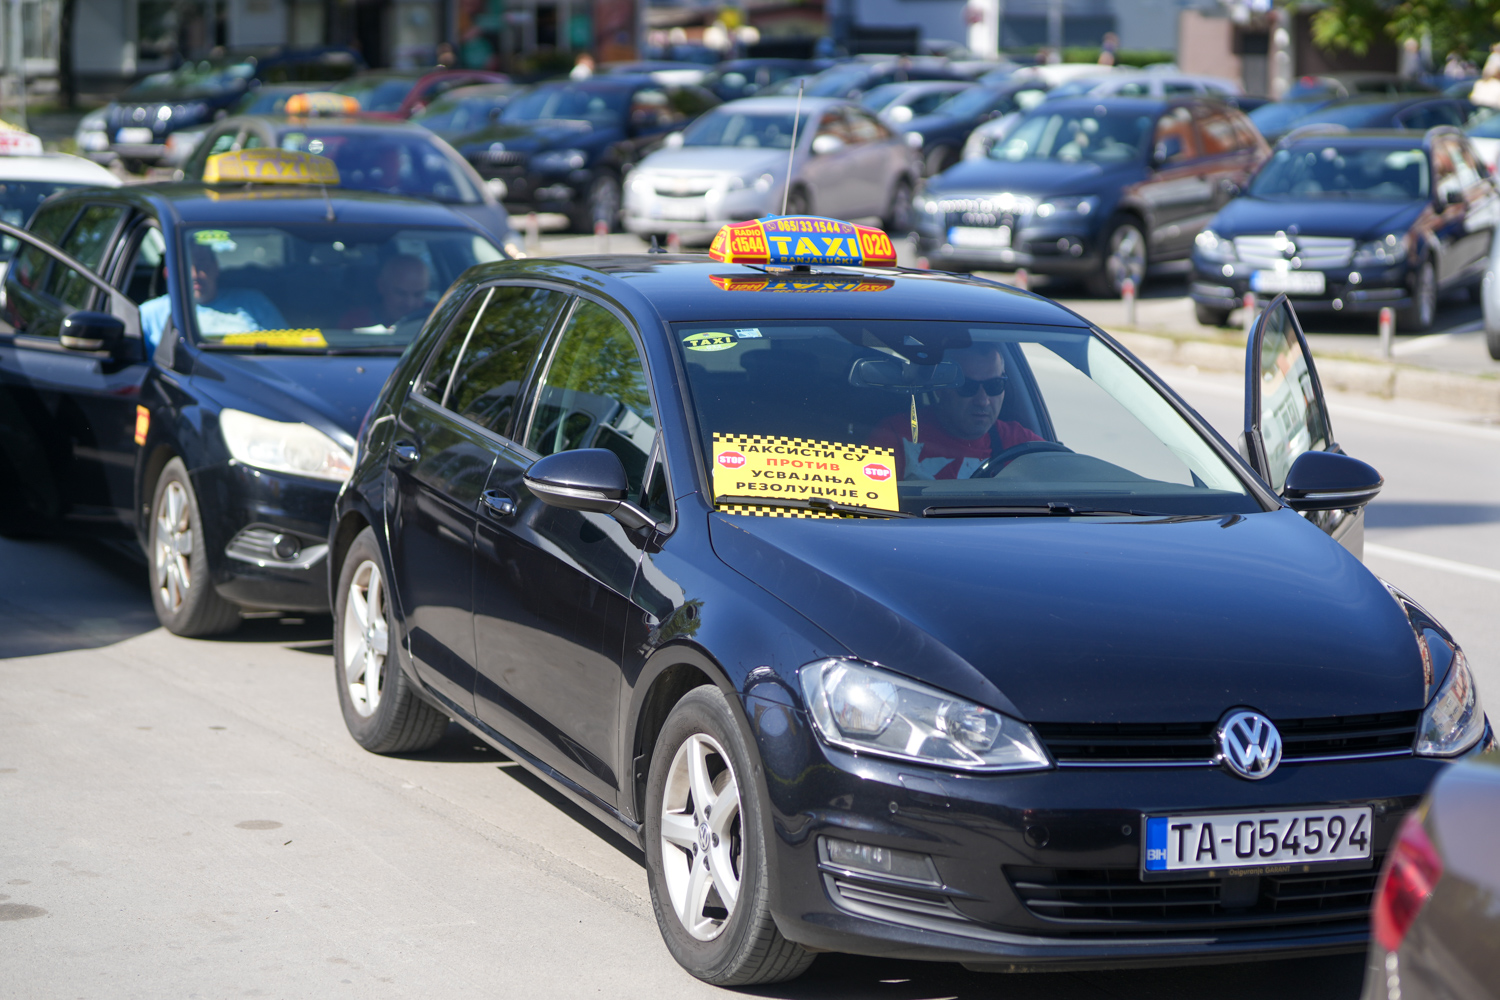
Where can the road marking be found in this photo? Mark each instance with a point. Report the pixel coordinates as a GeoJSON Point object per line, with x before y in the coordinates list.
{"type": "Point", "coordinates": [1432, 562]}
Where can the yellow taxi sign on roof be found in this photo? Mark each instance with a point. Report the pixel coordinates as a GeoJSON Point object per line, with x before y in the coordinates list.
{"type": "Point", "coordinates": [802, 239]}
{"type": "Point", "coordinates": [269, 166]}
{"type": "Point", "coordinates": [317, 102]}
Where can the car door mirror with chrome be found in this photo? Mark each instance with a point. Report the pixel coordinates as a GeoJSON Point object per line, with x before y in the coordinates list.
{"type": "Point", "coordinates": [587, 479]}
{"type": "Point", "coordinates": [825, 144]}
{"type": "Point", "coordinates": [92, 331]}
{"type": "Point", "coordinates": [1329, 480]}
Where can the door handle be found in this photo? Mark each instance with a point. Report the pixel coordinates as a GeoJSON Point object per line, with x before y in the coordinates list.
{"type": "Point", "coordinates": [499, 502]}
{"type": "Point", "coordinates": [405, 452]}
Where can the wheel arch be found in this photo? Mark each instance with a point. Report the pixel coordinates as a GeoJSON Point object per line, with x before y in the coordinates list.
{"type": "Point", "coordinates": [155, 459]}
{"type": "Point", "coordinates": [349, 525]}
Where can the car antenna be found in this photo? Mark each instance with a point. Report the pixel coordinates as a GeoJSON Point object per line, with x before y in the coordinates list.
{"type": "Point", "coordinates": [786, 192]}
{"type": "Point", "coordinates": [655, 247]}
{"type": "Point", "coordinates": [328, 204]}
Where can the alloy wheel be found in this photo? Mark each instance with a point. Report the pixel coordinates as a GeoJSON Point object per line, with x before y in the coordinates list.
{"type": "Point", "coordinates": [701, 843]}
{"type": "Point", "coordinates": [174, 547]}
{"type": "Point", "coordinates": [1126, 257]}
{"type": "Point", "coordinates": [366, 638]}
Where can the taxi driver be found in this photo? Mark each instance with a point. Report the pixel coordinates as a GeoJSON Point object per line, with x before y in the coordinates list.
{"type": "Point", "coordinates": [959, 433]}
{"type": "Point", "coordinates": [219, 311]}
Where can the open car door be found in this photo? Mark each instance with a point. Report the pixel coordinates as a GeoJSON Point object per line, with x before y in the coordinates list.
{"type": "Point", "coordinates": [1288, 438]}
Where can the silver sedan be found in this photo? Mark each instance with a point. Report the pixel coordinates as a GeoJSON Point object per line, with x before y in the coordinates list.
{"type": "Point", "coordinates": [732, 164]}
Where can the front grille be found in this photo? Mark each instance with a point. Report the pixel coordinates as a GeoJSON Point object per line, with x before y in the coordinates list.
{"type": "Point", "coordinates": [1315, 253]}
{"type": "Point", "coordinates": [1146, 744]}
{"type": "Point", "coordinates": [683, 185]}
{"type": "Point", "coordinates": [1092, 899]}
{"type": "Point", "coordinates": [498, 158]}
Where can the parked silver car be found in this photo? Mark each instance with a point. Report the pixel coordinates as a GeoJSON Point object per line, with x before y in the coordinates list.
{"type": "Point", "coordinates": [731, 165]}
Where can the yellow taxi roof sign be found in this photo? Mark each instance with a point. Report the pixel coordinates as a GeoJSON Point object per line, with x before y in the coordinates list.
{"type": "Point", "coordinates": [315, 103]}
{"type": "Point", "coordinates": [802, 239]}
{"type": "Point", "coordinates": [269, 166]}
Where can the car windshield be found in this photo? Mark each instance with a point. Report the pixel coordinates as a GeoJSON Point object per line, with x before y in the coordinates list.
{"type": "Point", "coordinates": [194, 79]}
{"type": "Point", "coordinates": [1375, 173]}
{"type": "Point", "coordinates": [383, 94]}
{"type": "Point", "coordinates": [1486, 124]}
{"type": "Point", "coordinates": [836, 82]}
{"type": "Point", "coordinates": [1278, 116]}
{"type": "Point", "coordinates": [394, 162]}
{"type": "Point", "coordinates": [18, 199]}
{"type": "Point", "coordinates": [1095, 135]}
{"type": "Point", "coordinates": [935, 417]}
{"type": "Point", "coordinates": [323, 287]}
{"type": "Point", "coordinates": [882, 97]}
{"type": "Point", "coordinates": [1358, 115]}
{"type": "Point", "coordinates": [967, 103]}
{"type": "Point", "coordinates": [599, 107]}
{"type": "Point", "coordinates": [766, 130]}
{"type": "Point", "coordinates": [456, 114]}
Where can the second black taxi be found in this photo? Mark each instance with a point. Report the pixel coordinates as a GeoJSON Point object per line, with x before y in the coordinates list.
{"type": "Point", "coordinates": [891, 612]}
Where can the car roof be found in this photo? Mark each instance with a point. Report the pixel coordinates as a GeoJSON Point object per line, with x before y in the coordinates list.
{"type": "Point", "coordinates": [777, 102]}
{"type": "Point", "coordinates": [333, 124]}
{"type": "Point", "coordinates": [58, 167]}
{"type": "Point", "coordinates": [1393, 100]}
{"type": "Point", "coordinates": [680, 289]}
{"type": "Point", "coordinates": [1360, 137]}
{"type": "Point", "coordinates": [1115, 102]}
{"type": "Point", "coordinates": [191, 203]}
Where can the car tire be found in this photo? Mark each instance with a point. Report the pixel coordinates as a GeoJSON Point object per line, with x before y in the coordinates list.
{"type": "Point", "coordinates": [382, 708]}
{"type": "Point", "coordinates": [182, 590]}
{"type": "Point", "coordinates": [938, 160]}
{"type": "Point", "coordinates": [1125, 254]}
{"type": "Point", "coordinates": [604, 201]}
{"type": "Point", "coordinates": [1419, 316]}
{"type": "Point", "coordinates": [737, 944]}
{"type": "Point", "coordinates": [898, 217]}
{"type": "Point", "coordinates": [1489, 301]}
{"type": "Point", "coordinates": [1209, 316]}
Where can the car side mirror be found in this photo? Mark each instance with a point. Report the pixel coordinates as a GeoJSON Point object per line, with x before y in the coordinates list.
{"type": "Point", "coordinates": [824, 144]}
{"type": "Point", "coordinates": [92, 331]}
{"type": "Point", "coordinates": [588, 479]}
{"type": "Point", "coordinates": [1330, 480]}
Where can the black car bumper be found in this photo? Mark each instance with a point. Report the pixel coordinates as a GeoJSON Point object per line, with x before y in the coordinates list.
{"type": "Point", "coordinates": [1041, 250]}
{"type": "Point", "coordinates": [1219, 285]}
{"type": "Point", "coordinates": [526, 191]}
{"type": "Point", "coordinates": [1043, 869]}
{"type": "Point", "coordinates": [266, 536]}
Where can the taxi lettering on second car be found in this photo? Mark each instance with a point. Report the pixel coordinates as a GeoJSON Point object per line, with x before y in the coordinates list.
{"type": "Point", "coordinates": [892, 613]}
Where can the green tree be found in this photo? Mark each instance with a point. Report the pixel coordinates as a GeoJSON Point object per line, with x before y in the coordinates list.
{"type": "Point", "coordinates": [1353, 25]}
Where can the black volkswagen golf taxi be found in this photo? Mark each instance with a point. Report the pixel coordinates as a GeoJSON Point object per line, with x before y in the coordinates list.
{"type": "Point", "coordinates": [892, 612]}
{"type": "Point", "coordinates": [188, 364]}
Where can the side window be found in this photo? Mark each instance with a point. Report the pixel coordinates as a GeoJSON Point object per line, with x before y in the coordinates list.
{"type": "Point", "coordinates": [690, 102]}
{"type": "Point", "coordinates": [30, 266]}
{"type": "Point", "coordinates": [595, 395]}
{"type": "Point", "coordinates": [1171, 87]}
{"type": "Point", "coordinates": [1136, 88]}
{"type": "Point", "coordinates": [223, 142]}
{"type": "Point", "coordinates": [833, 124]}
{"type": "Point", "coordinates": [650, 111]}
{"type": "Point", "coordinates": [501, 348]}
{"type": "Point", "coordinates": [657, 498]}
{"type": "Point", "coordinates": [1249, 135]}
{"type": "Point", "coordinates": [89, 239]}
{"type": "Point", "coordinates": [1216, 132]}
{"type": "Point", "coordinates": [1175, 140]}
{"type": "Point", "coordinates": [863, 127]}
{"type": "Point", "coordinates": [146, 278]}
{"type": "Point", "coordinates": [253, 140]}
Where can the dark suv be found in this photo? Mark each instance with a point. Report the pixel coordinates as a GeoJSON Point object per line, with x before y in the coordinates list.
{"type": "Point", "coordinates": [1091, 188]}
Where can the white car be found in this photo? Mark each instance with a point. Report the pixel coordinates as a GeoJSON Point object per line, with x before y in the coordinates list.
{"type": "Point", "coordinates": [732, 164]}
{"type": "Point", "coordinates": [29, 176]}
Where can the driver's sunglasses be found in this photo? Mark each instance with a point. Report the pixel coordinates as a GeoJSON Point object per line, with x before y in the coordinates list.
{"type": "Point", "coordinates": [991, 386]}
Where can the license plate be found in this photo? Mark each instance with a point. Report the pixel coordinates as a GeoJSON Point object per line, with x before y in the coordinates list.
{"type": "Point", "coordinates": [134, 136]}
{"type": "Point", "coordinates": [1256, 839]}
{"type": "Point", "coordinates": [688, 212]}
{"type": "Point", "coordinates": [981, 238]}
{"type": "Point", "coordinates": [1290, 282]}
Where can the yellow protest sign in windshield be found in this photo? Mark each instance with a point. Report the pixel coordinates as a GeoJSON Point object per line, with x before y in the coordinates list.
{"type": "Point", "coordinates": [802, 469]}
{"type": "Point", "coordinates": [274, 338]}
{"type": "Point", "coordinates": [269, 166]}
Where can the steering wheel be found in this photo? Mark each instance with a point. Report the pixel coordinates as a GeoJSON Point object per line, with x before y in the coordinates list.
{"type": "Point", "coordinates": [995, 463]}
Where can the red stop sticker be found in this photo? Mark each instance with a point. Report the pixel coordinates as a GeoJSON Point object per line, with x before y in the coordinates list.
{"type": "Point", "coordinates": [731, 459]}
{"type": "Point", "coordinates": [876, 471]}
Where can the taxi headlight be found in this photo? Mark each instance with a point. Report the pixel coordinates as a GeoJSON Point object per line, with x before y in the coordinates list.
{"type": "Point", "coordinates": [1380, 253]}
{"type": "Point", "coordinates": [860, 707]}
{"type": "Point", "coordinates": [1454, 719]}
{"type": "Point", "coordinates": [284, 447]}
{"type": "Point", "coordinates": [1214, 247]}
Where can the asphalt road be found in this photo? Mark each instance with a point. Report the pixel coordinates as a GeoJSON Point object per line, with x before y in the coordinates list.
{"type": "Point", "coordinates": [189, 818]}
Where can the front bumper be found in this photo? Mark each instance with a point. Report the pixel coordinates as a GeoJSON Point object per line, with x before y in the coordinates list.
{"type": "Point", "coordinates": [1056, 249]}
{"type": "Point", "coordinates": [1221, 285]}
{"type": "Point", "coordinates": [694, 217]}
{"type": "Point", "coordinates": [1041, 870]}
{"type": "Point", "coordinates": [528, 191]}
{"type": "Point", "coordinates": [244, 511]}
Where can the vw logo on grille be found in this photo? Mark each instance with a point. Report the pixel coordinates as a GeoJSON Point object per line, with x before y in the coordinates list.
{"type": "Point", "coordinates": [1249, 744]}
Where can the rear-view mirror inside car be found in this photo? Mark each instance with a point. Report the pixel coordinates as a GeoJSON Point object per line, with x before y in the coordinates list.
{"type": "Point", "coordinates": [895, 375]}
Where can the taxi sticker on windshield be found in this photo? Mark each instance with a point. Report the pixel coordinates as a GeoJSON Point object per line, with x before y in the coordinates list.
{"type": "Point", "coordinates": [276, 338]}
{"type": "Point", "coordinates": [749, 333]}
{"type": "Point", "coordinates": [799, 468]}
{"type": "Point", "coordinates": [216, 240]}
{"type": "Point", "coordinates": [708, 342]}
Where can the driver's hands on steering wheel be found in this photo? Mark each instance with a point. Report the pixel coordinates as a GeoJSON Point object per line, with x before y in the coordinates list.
{"type": "Point", "coordinates": [1000, 460]}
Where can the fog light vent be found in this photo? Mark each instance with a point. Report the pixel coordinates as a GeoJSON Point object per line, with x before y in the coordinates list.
{"type": "Point", "coordinates": [882, 861]}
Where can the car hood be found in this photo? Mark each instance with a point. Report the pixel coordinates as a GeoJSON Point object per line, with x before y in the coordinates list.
{"type": "Point", "coordinates": [534, 137]}
{"type": "Point", "coordinates": [331, 393]}
{"type": "Point", "coordinates": [1086, 620]}
{"type": "Point", "coordinates": [1040, 177]}
{"type": "Point", "coordinates": [1357, 219]}
{"type": "Point", "coordinates": [728, 159]}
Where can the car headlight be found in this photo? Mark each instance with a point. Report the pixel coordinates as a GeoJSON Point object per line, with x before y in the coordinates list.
{"type": "Point", "coordinates": [275, 446]}
{"type": "Point", "coordinates": [1214, 247]}
{"type": "Point", "coordinates": [863, 708]}
{"type": "Point", "coordinates": [640, 183]}
{"type": "Point", "coordinates": [560, 159]}
{"type": "Point", "coordinates": [1066, 206]}
{"type": "Point", "coordinates": [1454, 720]}
{"type": "Point", "coordinates": [1380, 253]}
{"type": "Point", "coordinates": [763, 183]}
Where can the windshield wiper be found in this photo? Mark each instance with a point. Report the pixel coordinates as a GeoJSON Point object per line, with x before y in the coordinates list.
{"type": "Point", "coordinates": [812, 503]}
{"type": "Point", "coordinates": [1051, 509]}
{"type": "Point", "coordinates": [264, 348]}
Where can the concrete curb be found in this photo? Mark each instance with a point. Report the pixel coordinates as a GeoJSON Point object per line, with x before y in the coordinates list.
{"type": "Point", "coordinates": [1477, 394]}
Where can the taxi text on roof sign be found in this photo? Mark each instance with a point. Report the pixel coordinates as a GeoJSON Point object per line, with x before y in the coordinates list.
{"type": "Point", "coordinates": [804, 283]}
{"type": "Point", "coordinates": [269, 166]}
{"type": "Point", "coordinates": [802, 239]}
